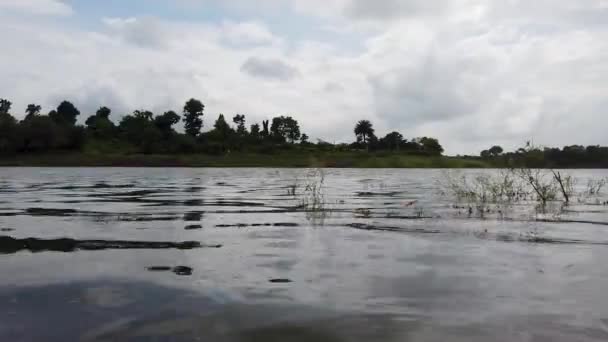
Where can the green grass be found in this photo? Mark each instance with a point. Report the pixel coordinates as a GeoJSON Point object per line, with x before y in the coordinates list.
{"type": "Point", "coordinates": [93, 157]}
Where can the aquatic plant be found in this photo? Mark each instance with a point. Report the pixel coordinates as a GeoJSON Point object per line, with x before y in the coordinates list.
{"type": "Point", "coordinates": [541, 183]}
{"type": "Point", "coordinates": [419, 211]}
{"type": "Point", "coordinates": [547, 192]}
{"type": "Point", "coordinates": [594, 186]}
{"type": "Point", "coordinates": [566, 184]}
{"type": "Point", "coordinates": [592, 192]}
{"type": "Point", "coordinates": [292, 188]}
{"type": "Point", "coordinates": [310, 195]}
{"type": "Point", "coordinates": [484, 193]}
{"type": "Point", "coordinates": [313, 197]}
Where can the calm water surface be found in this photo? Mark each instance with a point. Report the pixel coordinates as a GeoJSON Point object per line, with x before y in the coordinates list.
{"type": "Point", "coordinates": [230, 255]}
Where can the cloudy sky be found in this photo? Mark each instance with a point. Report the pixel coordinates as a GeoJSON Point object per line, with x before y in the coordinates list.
{"type": "Point", "coordinates": [472, 73]}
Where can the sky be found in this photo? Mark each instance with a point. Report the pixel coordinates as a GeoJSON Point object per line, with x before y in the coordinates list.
{"type": "Point", "coordinates": [472, 73]}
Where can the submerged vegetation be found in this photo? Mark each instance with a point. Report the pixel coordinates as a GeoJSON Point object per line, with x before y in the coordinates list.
{"type": "Point", "coordinates": [309, 192]}
{"type": "Point", "coordinates": [522, 194]}
{"type": "Point", "coordinates": [501, 192]}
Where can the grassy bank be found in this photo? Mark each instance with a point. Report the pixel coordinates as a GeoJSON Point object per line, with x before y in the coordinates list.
{"type": "Point", "coordinates": [282, 159]}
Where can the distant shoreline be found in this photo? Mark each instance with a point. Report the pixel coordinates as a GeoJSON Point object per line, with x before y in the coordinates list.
{"type": "Point", "coordinates": [240, 159]}
{"type": "Point", "coordinates": [243, 160]}
{"type": "Point", "coordinates": [143, 139]}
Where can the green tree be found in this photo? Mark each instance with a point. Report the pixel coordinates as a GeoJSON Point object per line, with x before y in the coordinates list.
{"type": "Point", "coordinates": [32, 110]}
{"type": "Point", "coordinates": [293, 130]}
{"type": "Point", "coordinates": [277, 129]}
{"type": "Point", "coordinates": [496, 151]}
{"type": "Point", "coordinates": [392, 141]}
{"type": "Point", "coordinates": [265, 130]}
{"type": "Point", "coordinates": [144, 115]}
{"type": "Point", "coordinates": [73, 137]}
{"type": "Point", "coordinates": [239, 120]}
{"type": "Point", "coordinates": [166, 121]}
{"type": "Point", "coordinates": [255, 130]}
{"type": "Point", "coordinates": [193, 117]}
{"type": "Point", "coordinates": [139, 129]}
{"type": "Point", "coordinates": [222, 128]}
{"type": "Point", "coordinates": [41, 133]}
{"type": "Point", "coordinates": [304, 139]}
{"type": "Point", "coordinates": [6, 118]}
{"type": "Point", "coordinates": [220, 138]}
{"type": "Point", "coordinates": [364, 131]}
{"type": "Point", "coordinates": [5, 106]}
{"type": "Point", "coordinates": [8, 133]}
{"type": "Point", "coordinates": [100, 124]}
{"type": "Point", "coordinates": [285, 128]}
{"type": "Point", "coordinates": [103, 113]}
{"type": "Point", "coordinates": [65, 114]}
{"type": "Point", "coordinates": [430, 146]}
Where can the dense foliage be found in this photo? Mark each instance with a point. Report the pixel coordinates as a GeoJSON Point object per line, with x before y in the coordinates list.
{"type": "Point", "coordinates": [144, 132]}
{"type": "Point", "coordinates": [593, 156]}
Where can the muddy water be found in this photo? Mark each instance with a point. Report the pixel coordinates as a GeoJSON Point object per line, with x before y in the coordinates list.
{"type": "Point", "coordinates": [237, 255]}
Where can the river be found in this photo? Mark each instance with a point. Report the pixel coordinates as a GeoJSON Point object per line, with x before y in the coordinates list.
{"type": "Point", "coordinates": [176, 254]}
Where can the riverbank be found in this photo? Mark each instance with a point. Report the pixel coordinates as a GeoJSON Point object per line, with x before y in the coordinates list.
{"type": "Point", "coordinates": [280, 159]}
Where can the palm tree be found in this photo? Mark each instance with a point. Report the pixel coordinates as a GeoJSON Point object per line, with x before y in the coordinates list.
{"type": "Point", "coordinates": [364, 131]}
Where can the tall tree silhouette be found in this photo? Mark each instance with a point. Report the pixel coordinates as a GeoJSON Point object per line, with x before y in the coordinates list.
{"type": "Point", "coordinates": [100, 124]}
{"type": "Point", "coordinates": [31, 111]}
{"type": "Point", "coordinates": [265, 130]}
{"type": "Point", "coordinates": [193, 117]}
{"type": "Point", "coordinates": [222, 127]}
{"type": "Point", "coordinates": [285, 128]}
{"type": "Point", "coordinates": [364, 131]}
{"type": "Point", "coordinates": [239, 120]}
{"type": "Point", "coordinates": [145, 115]}
{"type": "Point", "coordinates": [65, 114]}
{"type": "Point", "coordinates": [430, 146]}
{"type": "Point", "coordinates": [5, 106]}
{"type": "Point", "coordinates": [165, 122]}
{"type": "Point", "coordinates": [139, 129]}
{"type": "Point", "coordinates": [8, 133]}
{"type": "Point", "coordinates": [222, 133]}
{"type": "Point", "coordinates": [495, 150]}
{"type": "Point", "coordinates": [103, 113]}
{"type": "Point", "coordinates": [392, 141]}
{"type": "Point", "coordinates": [255, 130]}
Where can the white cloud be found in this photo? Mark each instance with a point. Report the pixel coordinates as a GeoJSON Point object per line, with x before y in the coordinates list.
{"type": "Point", "coordinates": [155, 32]}
{"type": "Point", "coordinates": [248, 33]}
{"type": "Point", "coordinates": [272, 69]}
{"type": "Point", "coordinates": [389, 9]}
{"type": "Point", "coordinates": [51, 7]}
{"type": "Point", "coordinates": [144, 32]}
{"type": "Point", "coordinates": [502, 73]}
{"type": "Point", "coordinates": [471, 72]}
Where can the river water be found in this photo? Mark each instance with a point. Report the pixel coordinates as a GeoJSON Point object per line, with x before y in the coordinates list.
{"type": "Point", "coordinates": [111, 254]}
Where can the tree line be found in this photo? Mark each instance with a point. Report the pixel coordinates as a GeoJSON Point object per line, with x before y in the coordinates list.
{"type": "Point", "coordinates": [144, 132]}
{"type": "Point", "coordinates": [593, 156]}
{"type": "Point", "coordinates": [393, 141]}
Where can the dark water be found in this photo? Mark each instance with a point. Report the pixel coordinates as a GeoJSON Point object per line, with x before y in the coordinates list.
{"type": "Point", "coordinates": [232, 255]}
